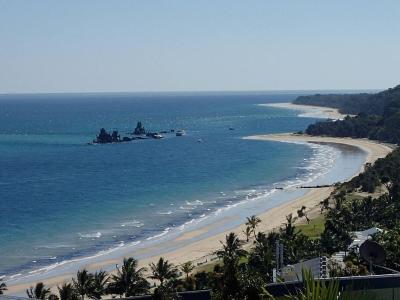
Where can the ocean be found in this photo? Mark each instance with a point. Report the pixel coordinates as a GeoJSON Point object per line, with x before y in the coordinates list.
{"type": "Point", "coordinates": [63, 199]}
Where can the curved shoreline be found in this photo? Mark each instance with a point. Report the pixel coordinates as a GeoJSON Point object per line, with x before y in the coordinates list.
{"type": "Point", "coordinates": [199, 250]}
{"type": "Point", "coordinates": [373, 149]}
{"type": "Point", "coordinates": [310, 111]}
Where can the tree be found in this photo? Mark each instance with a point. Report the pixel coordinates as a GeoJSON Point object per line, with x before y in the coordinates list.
{"type": "Point", "coordinates": [38, 292]}
{"type": "Point", "coordinates": [390, 240]}
{"type": "Point", "coordinates": [301, 213]}
{"type": "Point", "coordinates": [67, 292]}
{"type": "Point", "coordinates": [3, 287]}
{"type": "Point", "coordinates": [99, 285]}
{"type": "Point", "coordinates": [251, 285]}
{"type": "Point", "coordinates": [335, 236]}
{"type": "Point", "coordinates": [232, 249]}
{"type": "Point", "coordinates": [262, 256]}
{"type": "Point", "coordinates": [187, 268]}
{"type": "Point", "coordinates": [167, 274]}
{"type": "Point", "coordinates": [83, 283]}
{"type": "Point", "coordinates": [290, 229]}
{"type": "Point", "coordinates": [247, 232]}
{"type": "Point", "coordinates": [163, 271]}
{"type": "Point", "coordinates": [129, 280]}
{"type": "Point", "coordinates": [231, 252]}
{"type": "Point", "coordinates": [253, 222]}
{"type": "Point", "coordinates": [385, 180]}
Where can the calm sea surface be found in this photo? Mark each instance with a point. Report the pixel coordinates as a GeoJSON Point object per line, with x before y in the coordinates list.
{"type": "Point", "coordinates": [61, 198]}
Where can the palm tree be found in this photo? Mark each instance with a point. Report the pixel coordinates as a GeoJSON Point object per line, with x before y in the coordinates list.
{"type": "Point", "coordinates": [99, 285]}
{"type": "Point", "coordinates": [247, 233]}
{"type": "Point", "coordinates": [290, 229]}
{"type": "Point", "coordinates": [67, 292]}
{"type": "Point", "coordinates": [253, 222]}
{"type": "Point", "coordinates": [38, 292]}
{"type": "Point", "coordinates": [3, 287]}
{"type": "Point", "coordinates": [163, 271]}
{"type": "Point", "coordinates": [231, 253]}
{"type": "Point", "coordinates": [232, 249]}
{"type": "Point", "coordinates": [129, 280]}
{"type": "Point", "coordinates": [83, 283]}
{"type": "Point", "coordinates": [187, 268]}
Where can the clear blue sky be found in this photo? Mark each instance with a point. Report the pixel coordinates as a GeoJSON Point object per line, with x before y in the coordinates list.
{"type": "Point", "coordinates": [72, 46]}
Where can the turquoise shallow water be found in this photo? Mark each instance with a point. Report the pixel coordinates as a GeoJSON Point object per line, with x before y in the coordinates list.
{"type": "Point", "coordinates": [62, 199]}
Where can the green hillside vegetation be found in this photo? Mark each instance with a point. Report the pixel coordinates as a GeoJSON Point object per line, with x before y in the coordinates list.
{"type": "Point", "coordinates": [377, 115]}
{"type": "Point", "coordinates": [354, 104]}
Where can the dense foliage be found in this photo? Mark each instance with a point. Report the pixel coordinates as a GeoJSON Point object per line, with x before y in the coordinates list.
{"type": "Point", "coordinates": [349, 213]}
{"type": "Point", "coordinates": [378, 115]}
{"type": "Point", "coordinates": [384, 171]}
{"type": "Point", "coordinates": [354, 104]}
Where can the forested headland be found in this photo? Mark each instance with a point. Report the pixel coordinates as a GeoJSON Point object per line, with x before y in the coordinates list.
{"type": "Point", "coordinates": [377, 115]}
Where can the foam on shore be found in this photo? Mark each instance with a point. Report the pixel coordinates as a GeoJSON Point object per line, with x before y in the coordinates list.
{"type": "Point", "coordinates": [207, 228]}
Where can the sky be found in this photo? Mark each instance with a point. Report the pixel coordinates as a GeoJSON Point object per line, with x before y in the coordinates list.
{"type": "Point", "coordinates": [110, 46]}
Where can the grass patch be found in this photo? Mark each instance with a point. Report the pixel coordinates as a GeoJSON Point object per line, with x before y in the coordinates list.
{"type": "Point", "coordinates": [208, 267]}
{"type": "Point", "coordinates": [314, 229]}
{"type": "Point", "coordinates": [354, 197]}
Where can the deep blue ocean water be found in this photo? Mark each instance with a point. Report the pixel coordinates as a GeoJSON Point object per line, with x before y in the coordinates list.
{"type": "Point", "coordinates": [62, 198]}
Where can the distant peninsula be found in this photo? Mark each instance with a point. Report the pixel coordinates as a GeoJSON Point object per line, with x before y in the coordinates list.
{"type": "Point", "coordinates": [377, 115]}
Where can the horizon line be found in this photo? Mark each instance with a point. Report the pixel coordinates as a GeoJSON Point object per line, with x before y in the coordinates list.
{"type": "Point", "coordinates": [195, 91]}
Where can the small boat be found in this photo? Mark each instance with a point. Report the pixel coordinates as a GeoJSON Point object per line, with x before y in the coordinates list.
{"type": "Point", "coordinates": [231, 128]}
{"type": "Point", "coordinates": [157, 136]}
{"type": "Point", "coordinates": [180, 132]}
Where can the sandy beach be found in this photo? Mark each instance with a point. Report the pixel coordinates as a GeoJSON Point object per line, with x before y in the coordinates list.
{"type": "Point", "coordinates": [199, 150]}
{"type": "Point", "coordinates": [199, 250]}
{"type": "Point", "coordinates": [310, 110]}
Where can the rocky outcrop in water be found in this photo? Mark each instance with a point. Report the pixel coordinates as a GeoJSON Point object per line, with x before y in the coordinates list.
{"type": "Point", "coordinates": [139, 130]}
{"type": "Point", "coordinates": [139, 133]}
{"type": "Point", "coordinates": [104, 137]}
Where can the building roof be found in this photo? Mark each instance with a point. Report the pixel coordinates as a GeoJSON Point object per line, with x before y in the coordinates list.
{"type": "Point", "coordinates": [362, 236]}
